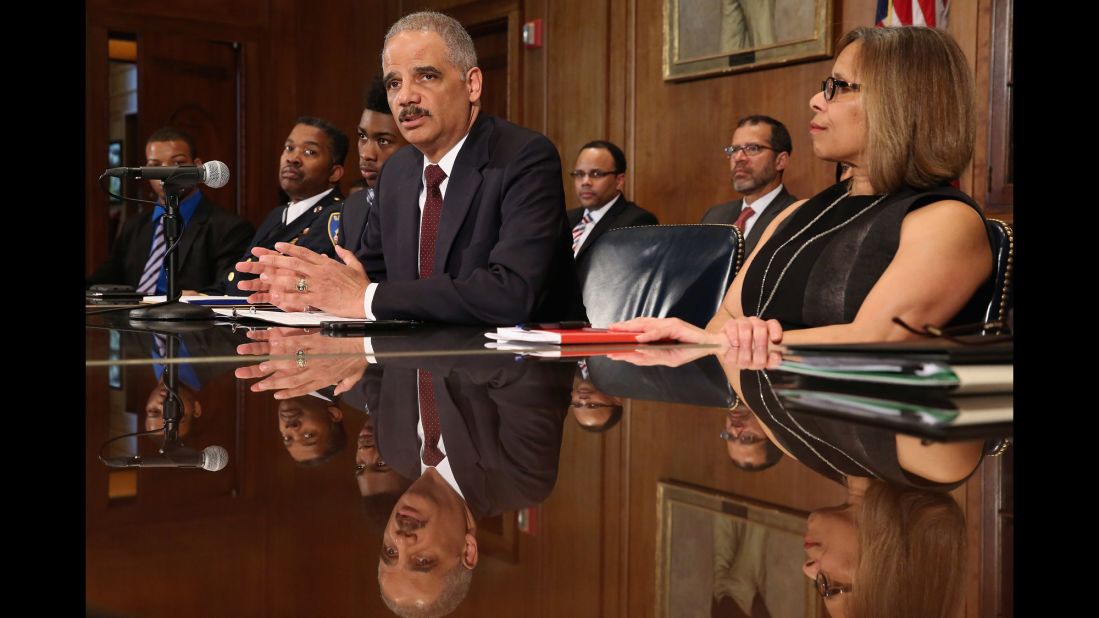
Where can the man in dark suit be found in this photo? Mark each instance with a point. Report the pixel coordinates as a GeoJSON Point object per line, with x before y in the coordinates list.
{"type": "Point", "coordinates": [759, 153]}
{"type": "Point", "coordinates": [599, 175]}
{"type": "Point", "coordinates": [470, 224]}
{"type": "Point", "coordinates": [212, 237]}
{"type": "Point", "coordinates": [378, 139]}
{"type": "Point", "coordinates": [310, 169]}
{"type": "Point", "coordinates": [497, 442]}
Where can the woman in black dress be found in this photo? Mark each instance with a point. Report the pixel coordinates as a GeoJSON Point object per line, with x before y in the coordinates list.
{"type": "Point", "coordinates": [893, 239]}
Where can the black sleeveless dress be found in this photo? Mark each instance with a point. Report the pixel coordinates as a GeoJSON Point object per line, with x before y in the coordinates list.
{"type": "Point", "coordinates": [822, 262]}
{"type": "Point", "coordinates": [833, 448]}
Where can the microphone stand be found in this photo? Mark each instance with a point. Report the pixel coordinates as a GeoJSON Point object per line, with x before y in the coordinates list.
{"type": "Point", "coordinates": [172, 309]}
{"type": "Point", "coordinates": [173, 408]}
{"type": "Point", "coordinates": [173, 405]}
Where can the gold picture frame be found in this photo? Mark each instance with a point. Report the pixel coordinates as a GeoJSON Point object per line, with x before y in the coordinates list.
{"type": "Point", "coordinates": [715, 548]}
{"type": "Point", "coordinates": [716, 37]}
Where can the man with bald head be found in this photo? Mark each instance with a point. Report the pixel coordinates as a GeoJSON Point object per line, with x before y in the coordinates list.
{"type": "Point", "coordinates": [469, 225]}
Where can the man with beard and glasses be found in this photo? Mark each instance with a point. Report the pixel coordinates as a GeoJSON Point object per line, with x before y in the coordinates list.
{"type": "Point", "coordinates": [469, 225]}
{"type": "Point", "coordinates": [759, 153]}
{"type": "Point", "coordinates": [310, 168]}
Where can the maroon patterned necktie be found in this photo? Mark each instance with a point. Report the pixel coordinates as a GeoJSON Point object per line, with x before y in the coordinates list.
{"type": "Point", "coordinates": [743, 218]}
{"type": "Point", "coordinates": [429, 224]}
{"type": "Point", "coordinates": [429, 416]}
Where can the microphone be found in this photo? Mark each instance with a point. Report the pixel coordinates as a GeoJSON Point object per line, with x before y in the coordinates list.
{"type": "Point", "coordinates": [212, 458]}
{"type": "Point", "coordinates": [213, 173]}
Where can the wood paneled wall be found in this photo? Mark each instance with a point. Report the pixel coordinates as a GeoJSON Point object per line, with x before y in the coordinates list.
{"type": "Point", "coordinates": [598, 76]}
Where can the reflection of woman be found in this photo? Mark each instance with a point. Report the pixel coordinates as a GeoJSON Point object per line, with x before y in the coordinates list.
{"type": "Point", "coordinates": [893, 240]}
{"type": "Point", "coordinates": [889, 551]}
{"type": "Point", "coordinates": [897, 546]}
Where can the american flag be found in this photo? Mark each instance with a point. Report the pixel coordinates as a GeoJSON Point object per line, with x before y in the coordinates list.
{"type": "Point", "coordinates": [911, 13]}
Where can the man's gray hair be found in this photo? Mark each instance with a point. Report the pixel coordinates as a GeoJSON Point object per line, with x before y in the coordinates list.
{"type": "Point", "coordinates": [459, 46]}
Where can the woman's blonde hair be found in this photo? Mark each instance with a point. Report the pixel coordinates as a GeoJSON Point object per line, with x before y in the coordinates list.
{"type": "Point", "coordinates": [912, 555]}
{"type": "Point", "coordinates": [918, 94]}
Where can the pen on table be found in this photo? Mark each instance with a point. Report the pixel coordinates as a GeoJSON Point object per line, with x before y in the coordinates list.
{"type": "Point", "coordinates": [565, 325]}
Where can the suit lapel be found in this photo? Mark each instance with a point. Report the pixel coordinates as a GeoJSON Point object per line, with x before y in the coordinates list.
{"type": "Point", "coordinates": [464, 181]}
{"type": "Point", "coordinates": [191, 230]}
{"type": "Point", "coordinates": [144, 239]}
{"type": "Point", "coordinates": [407, 226]}
{"type": "Point", "coordinates": [395, 421]}
{"type": "Point", "coordinates": [773, 209]}
{"type": "Point", "coordinates": [604, 224]}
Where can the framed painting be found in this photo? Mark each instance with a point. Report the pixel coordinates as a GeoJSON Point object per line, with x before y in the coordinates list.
{"type": "Point", "coordinates": [723, 555]}
{"type": "Point", "coordinates": [713, 37]}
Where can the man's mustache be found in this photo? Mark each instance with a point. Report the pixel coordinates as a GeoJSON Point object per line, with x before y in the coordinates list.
{"type": "Point", "coordinates": [407, 524]}
{"type": "Point", "coordinates": [410, 111]}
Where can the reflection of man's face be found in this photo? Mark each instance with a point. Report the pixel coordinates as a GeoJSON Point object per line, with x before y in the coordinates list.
{"type": "Point", "coordinates": [372, 473]}
{"type": "Point", "coordinates": [154, 408]}
{"type": "Point", "coordinates": [306, 424]}
{"type": "Point", "coordinates": [590, 406]}
{"type": "Point", "coordinates": [429, 534]}
{"type": "Point", "coordinates": [746, 442]}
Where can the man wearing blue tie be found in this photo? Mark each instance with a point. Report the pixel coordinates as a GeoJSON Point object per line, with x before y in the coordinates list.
{"type": "Point", "coordinates": [212, 237]}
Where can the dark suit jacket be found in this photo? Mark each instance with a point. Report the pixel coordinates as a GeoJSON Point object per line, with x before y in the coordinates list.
{"type": "Point", "coordinates": [212, 341]}
{"type": "Point", "coordinates": [209, 245]}
{"type": "Point", "coordinates": [503, 253]}
{"type": "Point", "coordinates": [501, 423]}
{"type": "Point", "coordinates": [353, 217]}
{"type": "Point", "coordinates": [622, 214]}
{"type": "Point", "coordinates": [313, 230]}
{"type": "Point", "coordinates": [728, 212]}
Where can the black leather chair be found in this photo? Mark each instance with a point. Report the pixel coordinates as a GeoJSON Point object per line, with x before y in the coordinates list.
{"type": "Point", "coordinates": [701, 382]}
{"type": "Point", "coordinates": [995, 298]}
{"type": "Point", "coordinates": [679, 271]}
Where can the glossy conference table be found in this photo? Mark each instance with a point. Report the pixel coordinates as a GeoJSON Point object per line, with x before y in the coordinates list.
{"type": "Point", "coordinates": [602, 485]}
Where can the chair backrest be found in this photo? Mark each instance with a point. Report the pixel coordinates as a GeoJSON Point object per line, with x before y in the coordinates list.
{"type": "Point", "coordinates": [995, 298]}
{"type": "Point", "coordinates": [679, 271]}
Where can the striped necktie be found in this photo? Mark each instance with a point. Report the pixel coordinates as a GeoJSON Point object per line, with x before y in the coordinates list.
{"type": "Point", "coordinates": [578, 231]}
{"type": "Point", "coordinates": [155, 263]}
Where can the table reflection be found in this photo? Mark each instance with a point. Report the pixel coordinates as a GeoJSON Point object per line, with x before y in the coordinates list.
{"type": "Point", "coordinates": [332, 451]}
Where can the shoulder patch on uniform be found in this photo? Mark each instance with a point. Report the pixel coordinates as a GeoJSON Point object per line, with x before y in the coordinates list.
{"type": "Point", "coordinates": [334, 228]}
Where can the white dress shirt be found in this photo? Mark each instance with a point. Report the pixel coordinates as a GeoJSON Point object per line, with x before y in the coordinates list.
{"type": "Point", "coordinates": [595, 215]}
{"type": "Point", "coordinates": [758, 206]}
{"type": "Point", "coordinates": [297, 209]}
{"type": "Point", "coordinates": [447, 163]}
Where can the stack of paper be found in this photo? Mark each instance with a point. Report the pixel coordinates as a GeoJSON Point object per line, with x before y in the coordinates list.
{"type": "Point", "coordinates": [572, 336]}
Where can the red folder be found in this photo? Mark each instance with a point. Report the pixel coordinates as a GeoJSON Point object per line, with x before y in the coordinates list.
{"type": "Point", "coordinates": [577, 336]}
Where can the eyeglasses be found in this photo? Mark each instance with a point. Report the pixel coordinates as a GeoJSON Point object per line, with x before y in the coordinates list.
{"type": "Point", "coordinates": [593, 174]}
{"type": "Point", "coordinates": [744, 438]}
{"type": "Point", "coordinates": [997, 328]}
{"type": "Point", "coordinates": [591, 406]}
{"type": "Point", "coordinates": [749, 149]}
{"type": "Point", "coordinates": [828, 87]}
{"type": "Point", "coordinates": [828, 589]}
